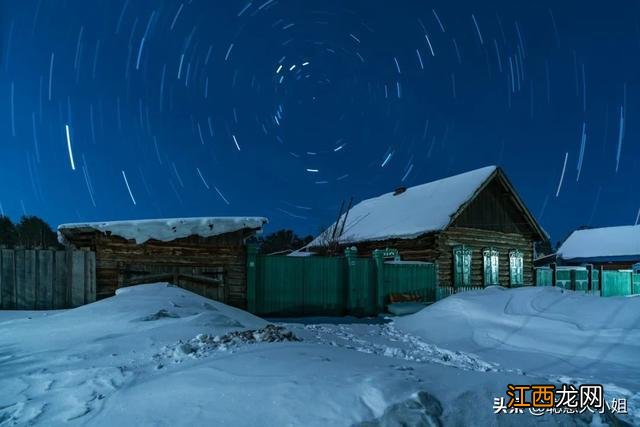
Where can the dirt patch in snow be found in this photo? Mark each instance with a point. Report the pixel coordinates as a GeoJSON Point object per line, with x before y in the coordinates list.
{"type": "Point", "coordinates": [203, 345]}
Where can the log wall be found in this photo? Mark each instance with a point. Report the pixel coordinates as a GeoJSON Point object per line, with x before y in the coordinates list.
{"type": "Point", "coordinates": [478, 240]}
{"type": "Point", "coordinates": [222, 258]}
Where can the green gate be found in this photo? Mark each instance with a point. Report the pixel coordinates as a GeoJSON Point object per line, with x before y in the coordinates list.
{"type": "Point", "coordinates": [361, 300]}
{"type": "Point", "coordinates": [294, 285]}
{"type": "Point", "coordinates": [333, 286]}
{"type": "Point", "coordinates": [544, 276]}
{"type": "Point", "coordinates": [409, 277]}
{"type": "Point", "coordinates": [616, 283]}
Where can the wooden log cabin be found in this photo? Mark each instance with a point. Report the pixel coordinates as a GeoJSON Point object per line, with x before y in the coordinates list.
{"type": "Point", "coordinates": [204, 255]}
{"type": "Point", "coordinates": [474, 226]}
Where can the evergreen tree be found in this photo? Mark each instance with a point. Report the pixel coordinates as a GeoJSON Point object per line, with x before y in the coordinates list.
{"type": "Point", "coordinates": [8, 234]}
{"type": "Point", "coordinates": [33, 232]}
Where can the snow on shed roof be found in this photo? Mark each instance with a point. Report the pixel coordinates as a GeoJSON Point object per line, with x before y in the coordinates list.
{"type": "Point", "coordinates": [166, 229]}
{"type": "Point", "coordinates": [418, 210]}
{"type": "Point", "coordinates": [622, 241]}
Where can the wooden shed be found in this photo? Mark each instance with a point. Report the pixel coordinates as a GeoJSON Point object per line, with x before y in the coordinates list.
{"type": "Point", "coordinates": [204, 255]}
{"type": "Point", "coordinates": [609, 248]}
{"type": "Point", "coordinates": [474, 226]}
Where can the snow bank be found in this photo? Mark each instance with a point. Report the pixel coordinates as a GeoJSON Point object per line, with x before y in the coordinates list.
{"type": "Point", "coordinates": [621, 241]}
{"type": "Point", "coordinates": [167, 229]}
{"type": "Point", "coordinates": [535, 319]}
{"type": "Point", "coordinates": [418, 210]}
{"type": "Point", "coordinates": [562, 335]}
{"type": "Point", "coordinates": [159, 355]}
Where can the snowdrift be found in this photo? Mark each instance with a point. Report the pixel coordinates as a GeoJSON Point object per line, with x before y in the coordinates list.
{"type": "Point", "coordinates": [536, 319]}
{"type": "Point", "coordinates": [159, 355]}
{"type": "Point", "coordinates": [550, 332]}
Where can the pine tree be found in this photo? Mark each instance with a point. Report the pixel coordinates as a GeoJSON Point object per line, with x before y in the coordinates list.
{"type": "Point", "coordinates": [8, 233]}
{"type": "Point", "coordinates": [33, 232]}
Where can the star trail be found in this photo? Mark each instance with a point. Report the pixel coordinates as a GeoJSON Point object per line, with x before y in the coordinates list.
{"type": "Point", "coordinates": [135, 109]}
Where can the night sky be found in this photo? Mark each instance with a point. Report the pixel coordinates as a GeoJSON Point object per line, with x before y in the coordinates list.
{"type": "Point", "coordinates": [285, 108]}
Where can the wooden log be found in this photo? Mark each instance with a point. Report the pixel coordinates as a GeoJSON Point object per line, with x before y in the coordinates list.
{"type": "Point", "coordinates": [77, 277]}
{"type": "Point", "coordinates": [25, 270]}
{"type": "Point", "coordinates": [44, 289]}
{"type": "Point", "coordinates": [89, 277]}
{"type": "Point", "coordinates": [61, 280]}
{"type": "Point", "coordinates": [8, 279]}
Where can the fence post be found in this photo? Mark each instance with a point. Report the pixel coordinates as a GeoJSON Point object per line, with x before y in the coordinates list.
{"type": "Point", "coordinates": [589, 278]}
{"type": "Point", "coordinates": [378, 259]}
{"type": "Point", "coordinates": [553, 273]}
{"type": "Point", "coordinates": [601, 280]}
{"type": "Point", "coordinates": [350, 254]}
{"type": "Point", "coordinates": [252, 258]}
{"type": "Point", "coordinates": [572, 280]}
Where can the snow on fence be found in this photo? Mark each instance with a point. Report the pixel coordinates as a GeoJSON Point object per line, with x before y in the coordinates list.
{"type": "Point", "coordinates": [304, 286]}
{"type": "Point", "coordinates": [34, 279]}
{"type": "Point", "coordinates": [590, 280]}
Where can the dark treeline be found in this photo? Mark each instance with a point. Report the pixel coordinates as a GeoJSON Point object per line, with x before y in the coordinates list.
{"type": "Point", "coordinates": [282, 241]}
{"type": "Point", "coordinates": [30, 232]}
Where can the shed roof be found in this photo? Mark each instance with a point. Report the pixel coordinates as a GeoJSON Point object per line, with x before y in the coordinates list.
{"type": "Point", "coordinates": [164, 229]}
{"type": "Point", "coordinates": [607, 243]}
{"type": "Point", "coordinates": [418, 210]}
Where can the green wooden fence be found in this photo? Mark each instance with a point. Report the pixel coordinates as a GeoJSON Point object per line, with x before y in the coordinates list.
{"type": "Point", "coordinates": [617, 283]}
{"type": "Point", "coordinates": [307, 286]}
{"type": "Point", "coordinates": [46, 279]}
{"type": "Point", "coordinates": [612, 282]}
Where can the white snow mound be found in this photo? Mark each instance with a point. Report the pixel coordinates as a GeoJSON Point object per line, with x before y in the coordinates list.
{"type": "Point", "coordinates": [167, 229]}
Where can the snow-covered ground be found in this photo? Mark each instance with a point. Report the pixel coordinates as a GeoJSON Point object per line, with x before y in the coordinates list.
{"type": "Point", "coordinates": [159, 355]}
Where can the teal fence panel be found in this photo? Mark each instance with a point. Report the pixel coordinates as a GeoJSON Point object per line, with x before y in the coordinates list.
{"type": "Point", "coordinates": [595, 282]}
{"type": "Point", "coordinates": [408, 277]}
{"type": "Point", "coordinates": [324, 286]}
{"type": "Point", "coordinates": [563, 278]}
{"type": "Point", "coordinates": [361, 298]}
{"type": "Point", "coordinates": [279, 285]}
{"type": "Point", "coordinates": [616, 283]}
{"type": "Point", "coordinates": [544, 276]}
{"type": "Point", "coordinates": [581, 280]}
{"type": "Point", "coordinates": [636, 284]}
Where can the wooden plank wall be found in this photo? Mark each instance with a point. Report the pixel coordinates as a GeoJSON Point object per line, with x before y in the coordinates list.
{"type": "Point", "coordinates": [117, 260]}
{"type": "Point", "coordinates": [46, 279]}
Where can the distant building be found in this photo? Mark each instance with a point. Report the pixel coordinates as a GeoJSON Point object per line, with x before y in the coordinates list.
{"type": "Point", "coordinates": [204, 255]}
{"type": "Point", "coordinates": [474, 226]}
{"type": "Point", "coordinates": [612, 248]}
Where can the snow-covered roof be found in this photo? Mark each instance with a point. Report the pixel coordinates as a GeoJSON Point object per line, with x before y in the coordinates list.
{"type": "Point", "coordinates": [166, 229]}
{"type": "Point", "coordinates": [621, 242]}
{"type": "Point", "coordinates": [418, 210]}
{"type": "Point", "coordinates": [301, 253]}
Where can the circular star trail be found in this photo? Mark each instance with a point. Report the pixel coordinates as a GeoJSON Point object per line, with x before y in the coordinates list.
{"type": "Point", "coordinates": [134, 109]}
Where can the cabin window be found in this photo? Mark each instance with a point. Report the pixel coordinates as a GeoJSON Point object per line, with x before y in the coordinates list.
{"type": "Point", "coordinates": [515, 268]}
{"type": "Point", "coordinates": [491, 266]}
{"type": "Point", "coordinates": [462, 266]}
